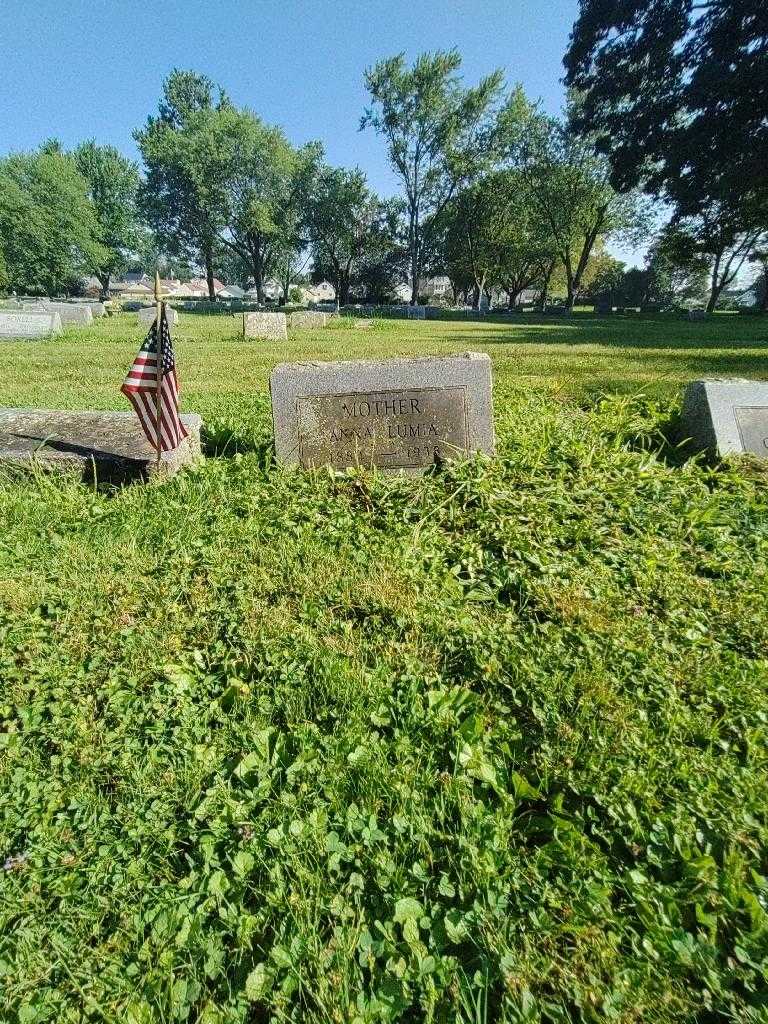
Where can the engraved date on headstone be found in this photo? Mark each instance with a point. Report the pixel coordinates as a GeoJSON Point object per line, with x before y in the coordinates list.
{"type": "Point", "coordinates": [392, 429]}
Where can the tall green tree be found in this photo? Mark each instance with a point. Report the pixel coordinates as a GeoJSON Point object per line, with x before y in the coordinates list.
{"type": "Point", "coordinates": [49, 231]}
{"type": "Point", "coordinates": [677, 93]}
{"type": "Point", "coordinates": [438, 136]}
{"type": "Point", "coordinates": [569, 183]}
{"type": "Point", "coordinates": [113, 184]}
{"type": "Point", "coordinates": [181, 215]}
{"type": "Point", "coordinates": [347, 226]}
{"type": "Point", "coordinates": [713, 244]}
{"type": "Point", "coordinates": [254, 184]}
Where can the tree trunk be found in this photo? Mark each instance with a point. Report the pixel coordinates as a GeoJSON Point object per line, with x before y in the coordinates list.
{"type": "Point", "coordinates": [475, 296]}
{"type": "Point", "coordinates": [714, 295]}
{"type": "Point", "coordinates": [414, 232]}
{"type": "Point", "coordinates": [208, 256]}
{"type": "Point", "coordinates": [104, 282]}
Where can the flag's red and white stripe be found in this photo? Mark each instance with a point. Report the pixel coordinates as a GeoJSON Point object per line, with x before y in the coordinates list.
{"type": "Point", "coordinates": [140, 388]}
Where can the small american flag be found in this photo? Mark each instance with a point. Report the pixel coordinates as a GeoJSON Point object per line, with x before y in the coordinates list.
{"type": "Point", "coordinates": [140, 388]}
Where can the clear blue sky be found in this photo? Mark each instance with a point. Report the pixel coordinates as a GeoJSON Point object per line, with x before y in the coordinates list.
{"type": "Point", "coordinates": [75, 70]}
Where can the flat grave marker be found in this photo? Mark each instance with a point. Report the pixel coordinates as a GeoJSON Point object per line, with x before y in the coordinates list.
{"type": "Point", "coordinates": [399, 415]}
{"type": "Point", "coordinates": [729, 417]}
{"type": "Point", "coordinates": [110, 446]}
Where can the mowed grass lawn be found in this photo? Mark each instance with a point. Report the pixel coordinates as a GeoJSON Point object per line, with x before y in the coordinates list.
{"type": "Point", "coordinates": [484, 746]}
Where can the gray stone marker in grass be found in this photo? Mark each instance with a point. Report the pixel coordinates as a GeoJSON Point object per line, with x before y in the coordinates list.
{"type": "Point", "coordinates": [271, 326]}
{"type": "Point", "coordinates": [109, 447]}
{"type": "Point", "coordinates": [399, 415]}
{"type": "Point", "coordinates": [728, 417]}
{"type": "Point", "coordinates": [70, 312]}
{"type": "Point", "coordinates": [309, 318]}
{"type": "Point", "coordinates": [23, 325]}
{"type": "Point", "coordinates": [148, 314]}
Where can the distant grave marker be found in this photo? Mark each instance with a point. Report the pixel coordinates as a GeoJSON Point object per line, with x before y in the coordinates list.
{"type": "Point", "coordinates": [309, 318]}
{"type": "Point", "coordinates": [23, 325]}
{"type": "Point", "coordinates": [149, 313]}
{"type": "Point", "coordinates": [271, 326]}
{"type": "Point", "coordinates": [729, 417]}
{"type": "Point", "coordinates": [400, 415]}
{"type": "Point", "coordinates": [70, 312]}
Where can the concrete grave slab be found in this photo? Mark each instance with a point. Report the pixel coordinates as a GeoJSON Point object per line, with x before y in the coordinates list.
{"type": "Point", "coordinates": [109, 447]}
{"type": "Point", "coordinates": [24, 325]}
{"type": "Point", "coordinates": [271, 326]}
{"type": "Point", "coordinates": [729, 417]}
{"type": "Point", "coordinates": [148, 314]}
{"type": "Point", "coordinates": [400, 415]}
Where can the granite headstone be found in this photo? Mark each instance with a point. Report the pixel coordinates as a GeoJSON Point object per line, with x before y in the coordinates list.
{"type": "Point", "coordinates": [21, 324]}
{"type": "Point", "coordinates": [400, 415]}
{"type": "Point", "coordinates": [271, 326]}
{"type": "Point", "coordinates": [728, 417]}
{"type": "Point", "coordinates": [106, 446]}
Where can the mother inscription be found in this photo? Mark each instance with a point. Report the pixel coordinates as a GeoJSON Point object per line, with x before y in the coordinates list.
{"type": "Point", "coordinates": [395, 414]}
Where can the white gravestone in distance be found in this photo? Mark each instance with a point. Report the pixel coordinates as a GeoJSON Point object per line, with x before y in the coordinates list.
{"type": "Point", "coordinates": [729, 417]}
{"type": "Point", "coordinates": [70, 312]}
{"type": "Point", "coordinates": [20, 324]}
{"type": "Point", "coordinates": [400, 415]}
{"type": "Point", "coordinates": [271, 326]}
{"type": "Point", "coordinates": [148, 314]}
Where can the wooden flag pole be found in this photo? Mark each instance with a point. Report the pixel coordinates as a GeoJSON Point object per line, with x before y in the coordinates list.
{"type": "Point", "coordinates": [158, 394]}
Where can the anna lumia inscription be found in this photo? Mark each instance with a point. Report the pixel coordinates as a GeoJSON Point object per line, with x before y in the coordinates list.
{"type": "Point", "coordinates": [401, 429]}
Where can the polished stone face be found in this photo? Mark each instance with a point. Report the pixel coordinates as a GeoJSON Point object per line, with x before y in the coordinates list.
{"type": "Point", "coordinates": [752, 422]}
{"type": "Point", "coordinates": [399, 415]}
{"type": "Point", "coordinates": [400, 429]}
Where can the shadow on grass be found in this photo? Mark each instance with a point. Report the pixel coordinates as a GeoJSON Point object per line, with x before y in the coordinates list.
{"type": "Point", "coordinates": [622, 332]}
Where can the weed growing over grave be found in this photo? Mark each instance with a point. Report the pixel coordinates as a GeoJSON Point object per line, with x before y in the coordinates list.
{"type": "Point", "coordinates": [485, 746]}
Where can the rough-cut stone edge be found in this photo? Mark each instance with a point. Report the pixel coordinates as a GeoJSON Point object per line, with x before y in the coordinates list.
{"type": "Point", "coordinates": [281, 319]}
{"type": "Point", "coordinates": [708, 417]}
{"type": "Point", "coordinates": [114, 468]}
{"type": "Point", "coordinates": [288, 381]}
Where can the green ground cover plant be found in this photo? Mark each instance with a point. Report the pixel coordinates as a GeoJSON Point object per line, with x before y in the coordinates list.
{"type": "Point", "coordinates": [488, 745]}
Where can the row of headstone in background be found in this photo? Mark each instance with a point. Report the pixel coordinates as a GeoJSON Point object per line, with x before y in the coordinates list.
{"type": "Point", "coordinates": [18, 323]}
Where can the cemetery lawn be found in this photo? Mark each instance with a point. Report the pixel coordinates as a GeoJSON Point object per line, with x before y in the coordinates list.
{"type": "Point", "coordinates": [484, 746]}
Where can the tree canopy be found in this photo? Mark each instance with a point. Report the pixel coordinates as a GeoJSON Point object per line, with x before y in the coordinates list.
{"type": "Point", "coordinates": [438, 135]}
{"type": "Point", "coordinates": [676, 93]}
{"type": "Point", "coordinates": [50, 235]}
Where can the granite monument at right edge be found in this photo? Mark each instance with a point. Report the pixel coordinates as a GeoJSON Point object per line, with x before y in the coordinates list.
{"type": "Point", "coordinates": [727, 417]}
